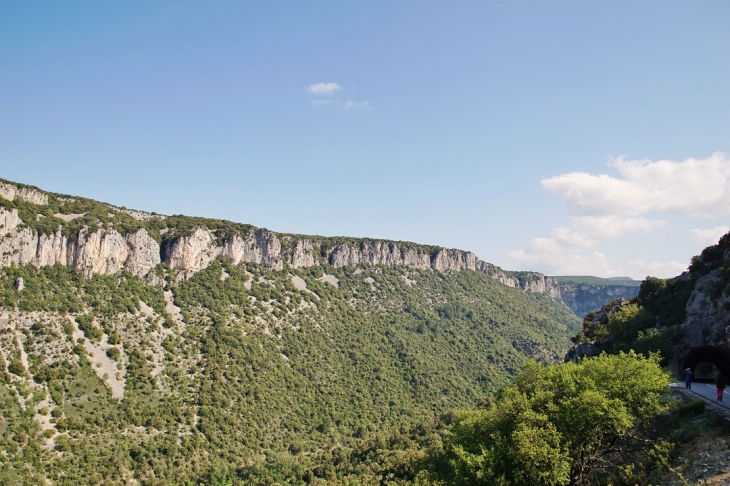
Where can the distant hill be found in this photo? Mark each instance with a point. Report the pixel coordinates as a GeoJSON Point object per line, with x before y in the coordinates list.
{"type": "Point", "coordinates": [598, 281]}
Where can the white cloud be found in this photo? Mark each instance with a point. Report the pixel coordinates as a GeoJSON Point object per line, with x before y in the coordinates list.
{"type": "Point", "coordinates": [588, 231]}
{"type": "Point", "coordinates": [657, 269]}
{"type": "Point", "coordinates": [708, 236]}
{"type": "Point", "coordinates": [566, 252]}
{"type": "Point", "coordinates": [342, 105]}
{"type": "Point", "coordinates": [699, 187]}
{"type": "Point", "coordinates": [609, 207]}
{"type": "Point", "coordinates": [542, 254]}
{"type": "Point", "coordinates": [323, 88]}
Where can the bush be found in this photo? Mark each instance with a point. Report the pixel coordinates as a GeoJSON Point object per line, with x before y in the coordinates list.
{"type": "Point", "coordinates": [16, 367]}
{"type": "Point", "coordinates": [86, 324]}
{"type": "Point", "coordinates": [114, 353]}
{"type": "Point", "coordinates": [692, 409]}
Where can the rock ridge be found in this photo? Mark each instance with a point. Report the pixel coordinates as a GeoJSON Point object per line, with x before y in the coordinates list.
{"type": "Point", "coordinates": [104, 250]}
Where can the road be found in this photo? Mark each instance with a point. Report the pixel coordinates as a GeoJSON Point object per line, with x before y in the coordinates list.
{"type": "Point", "coordinates": [706, 391]}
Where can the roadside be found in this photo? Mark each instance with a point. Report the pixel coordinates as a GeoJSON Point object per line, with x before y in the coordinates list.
{"type": "Point", "coordinates": [707, 392]}
{"type": "Point", "coordinates": [704, 460]}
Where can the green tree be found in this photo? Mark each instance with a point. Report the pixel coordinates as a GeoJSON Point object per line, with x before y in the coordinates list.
{"type": "Point", "coordinates": [556, 425]}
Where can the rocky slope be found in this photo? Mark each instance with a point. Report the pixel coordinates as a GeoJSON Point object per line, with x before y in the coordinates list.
{"type": "Point", "coordinates": [707, 320]}
{"type": "Point", "coordinates": [44, 229]}
{"type": "Point", "coordinates": [583, 298]}
{"type": "Point", "coordinates": [673, 316]}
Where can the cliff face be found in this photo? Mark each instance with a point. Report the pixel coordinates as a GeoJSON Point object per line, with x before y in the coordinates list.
{"type": "Point", "coordinates": [99, 251]}
{"type": "Point", "coordinates": [708, 309]}
{"type": "Point", "coordinates": [103, 249]}
{"type": "Point", "coordinates": [583, 298]}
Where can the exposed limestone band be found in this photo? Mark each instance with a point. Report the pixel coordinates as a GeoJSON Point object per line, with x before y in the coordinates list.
{"type": "Point", "coordinates": [105, 251]}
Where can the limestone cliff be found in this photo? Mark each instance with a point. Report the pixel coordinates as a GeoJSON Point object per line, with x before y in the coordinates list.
{"type": "Point", "coordinates": [583, 298]}
{"type": "Point", "coordinates": [707, 320]}
{"type": "Point", "coordinates": [32, 195]}
{"type": "Point", "coordinates": [140, 242]}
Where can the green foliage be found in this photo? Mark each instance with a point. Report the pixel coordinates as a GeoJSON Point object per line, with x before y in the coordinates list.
{"type": "Point", "coordinates": [649, 323]}
{"type": "Point", "coordinates": [16, 367]}
{"type": "Point", "coordinates": [330, 384]}
{"type": "Point", "coordinates": [555, 426]}
{"type": "Point", "coordinates": [114, 353]}
{"type": "Point", "coordinates": [666, 300]}
{"type": "Point", "coordinates": [86, 325]}
{"type": "Point", "coordinates": [64, 289]}
{"type": "Point", "coordinates": [711, 257]}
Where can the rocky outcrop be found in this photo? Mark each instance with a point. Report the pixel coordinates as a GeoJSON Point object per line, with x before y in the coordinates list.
{"type": "Point", "coordinates": [192, 253]}
{"type": "Point", "coordinates": [450, 260]}
{"type": "Point", "coordinates": [144, 253]}
{"type": "Point", "coordinates": [102, 252]}
{"type": "Point", "coordinates": [106, 251]}
{"type": "Point", "coordinates": [583, 298]}
{"type": "Point", "coordinates": [708, 313]}
{"type": "Point", "coordinates": [300, 253]}
{"type": "Point", "coordinates": [581, 350]}
{"type": "Point", "coordinates": [11, 191]}
{"type": "Point", "coordinates": [377, 253]}
{"type": "Point", "coordinates": [706, 325]}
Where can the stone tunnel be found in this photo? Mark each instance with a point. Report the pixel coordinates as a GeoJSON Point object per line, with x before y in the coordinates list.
{"type": "Point", "coordinates": [717, 355]}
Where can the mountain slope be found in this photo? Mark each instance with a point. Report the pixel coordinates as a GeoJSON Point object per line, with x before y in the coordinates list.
{"type": "Point", "coordinates": [177, 350]}
{"type": "Point", "coordinates": [240, 371]}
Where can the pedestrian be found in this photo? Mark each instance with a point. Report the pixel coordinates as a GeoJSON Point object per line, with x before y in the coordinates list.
{"type": "Point", "coordinates": [720, 384]}
{"type": "Point", "coordinates": [688, 378]}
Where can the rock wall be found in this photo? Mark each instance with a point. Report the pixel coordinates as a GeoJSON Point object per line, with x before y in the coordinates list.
{"type": "Point", "coordinates": [11, 191]}
{"type": "Point", "coordinates": [708, 312]}
{"type": "Point", "coordinates": [582, 298]}
{"type": "Point", "coordinates": [105, 251]}
{"type": "Point", "coordinates": [100, 251]}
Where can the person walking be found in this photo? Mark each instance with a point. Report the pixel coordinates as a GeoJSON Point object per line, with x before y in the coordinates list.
{"type": "Point", "coordinates": [720, 384]}
{"type": "Point", "coordinates": [688, 375]}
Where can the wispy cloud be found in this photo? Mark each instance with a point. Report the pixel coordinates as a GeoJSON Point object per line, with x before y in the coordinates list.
{"type": "Point", "coordinates": [607, 207]}
{"type": "Point", "coordinates": [325, 98]}
{"type": "Point", "coordinates": [658, 268]}
{"type": "Point", "coordinates": [357, 105]}
{"type": "Point", "coordinates": [708, 236]}
{"type": "Point", "coordinates": [324, 88]}
{"type": "Point", "coordinates": [317, 103]}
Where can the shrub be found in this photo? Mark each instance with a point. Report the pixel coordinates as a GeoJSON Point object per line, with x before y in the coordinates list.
{"type": "Point", "coordinates": [16, 367]}
{"type": "Point", "coordinates": [114, 353]}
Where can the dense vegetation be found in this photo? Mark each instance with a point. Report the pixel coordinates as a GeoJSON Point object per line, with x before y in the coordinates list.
{"type": "Point", "coordinates": [250, 378]}
{"type": "Point", "coordinates": [262, 382]}
{"type": "Point", "coordinates": [556, 425]}
{"type": "Point", "coordinates": [651, 322]}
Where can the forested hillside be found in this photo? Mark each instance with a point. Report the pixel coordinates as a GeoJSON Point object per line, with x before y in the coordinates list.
{"type": "Point", "coordinates": [243, 367]}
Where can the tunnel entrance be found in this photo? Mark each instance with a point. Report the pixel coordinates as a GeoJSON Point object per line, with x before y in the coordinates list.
{"type": "Point", "coordinates": [717, 355]}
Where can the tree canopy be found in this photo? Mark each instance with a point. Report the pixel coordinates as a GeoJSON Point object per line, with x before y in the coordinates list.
{"type": "Point", "coordinates": [556, 425]}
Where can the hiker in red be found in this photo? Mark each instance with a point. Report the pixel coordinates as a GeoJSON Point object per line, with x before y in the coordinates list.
{"type": "Point", "coordinates": [720, 383]}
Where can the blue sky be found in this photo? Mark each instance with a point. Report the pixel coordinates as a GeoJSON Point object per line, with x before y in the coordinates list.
{"type": "Point", "coordinates": [568, 137]}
